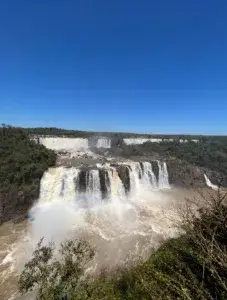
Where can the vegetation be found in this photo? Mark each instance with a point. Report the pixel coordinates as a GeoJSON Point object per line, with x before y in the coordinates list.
{"type": "Point", "coordinates": [22, 163]}
{"type": "Point", "coordinates": [210, 152]}
{"type": "Point", "coordinates": [53, 131]}
{"type": "Point", "coordinates": [207, 153]}
{"type": "Point", "coordinates": [190, 267]}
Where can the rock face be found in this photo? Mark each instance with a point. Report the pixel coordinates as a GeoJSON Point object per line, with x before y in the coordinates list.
{"type": "Point", "coordinates": [123, 173]}
{"type": "Point", "coordinates": [182, 174]}
{"type": "Point", "coordinates": [104, 183]}
{"type": "Point", "coordinates": [82, 181]}
{"type": "Point", "coordinates": [155, 168]}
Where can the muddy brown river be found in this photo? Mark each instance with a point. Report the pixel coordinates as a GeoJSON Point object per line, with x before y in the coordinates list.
{"type": "Point", "coordinates": [117, 230]}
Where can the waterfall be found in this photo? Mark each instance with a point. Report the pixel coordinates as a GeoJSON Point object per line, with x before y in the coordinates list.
{"type": "Point", "coordinates": [64, 144]}
{"type": "Point", "coordinates": [58, 183]}
{"type": "Point", "coordinates": [148, 176]}
{"type": "Point", "coordinates": [103, 143]}
{"type": "Point", "coordinates": [51, 185]}
{"type": "Point", "coordinates": [115, 183]}
{"type": "Point", "coordinates": [208, 183]}
{"type": "Point", "coordinates": [163, 178]}
{"type": "Point", "coordinates": [93, 185]}
{"type": "Point", "coordinates": [70, 183]}
{"type": "Point", "coordinates": [142, 177]}
{"type": "Point", "coordinates": [116, 186]}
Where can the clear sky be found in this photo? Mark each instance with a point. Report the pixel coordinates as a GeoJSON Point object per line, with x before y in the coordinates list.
{"type": "Point", "coordinates": [116, 65]}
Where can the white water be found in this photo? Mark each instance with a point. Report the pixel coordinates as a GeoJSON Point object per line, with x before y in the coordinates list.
{"type": "Point", "coordinates": [103, 143]}
{"type": "Point", "coordinates": [143, 178]}
{"type": "Point", "coordinates": [163, 179]}
{"type": "Point", "coordinates": [64, 144]}
{"type": "Point", "coordinates": [62, 182]}
{"type": "Point", "coordinates": [139, 141]}
{"type": "Point", "coordinates": [118, 227]}
{"type": "Point", "coordinates": [93, 186]}
{"type": "Point", "coordinates": [116, 187]}
{"type": "Point", "coordinates": [210, 184]}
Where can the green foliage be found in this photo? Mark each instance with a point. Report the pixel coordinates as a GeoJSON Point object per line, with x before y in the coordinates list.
{"type": "Point", "coordinates": [22, 161]}
{"type": "Point", "coordinates": [56, 278]}
{"type": "Point", "coordinates": [207, 153]}
{"type": "Point", "coordinates": [22, 164]}
{"type": "Point", "coordinates": [190, 267]}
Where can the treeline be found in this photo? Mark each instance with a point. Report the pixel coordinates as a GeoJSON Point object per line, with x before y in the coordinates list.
{"type": "Point", "coordinates": [22, 164]}
{"type": "Point", "coordinates": [53, 131]}
{"type": "Point", "coordinates": [190, 267]}
{"type": "Point", "coordinates": [207, 153]}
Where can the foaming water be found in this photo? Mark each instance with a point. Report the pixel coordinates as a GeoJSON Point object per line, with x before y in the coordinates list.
{"type": "Point", "coordinates": [119, 227]}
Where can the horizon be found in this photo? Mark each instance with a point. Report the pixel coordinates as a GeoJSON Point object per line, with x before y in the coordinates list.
{"type": "Point", "coordinates": [115, 66]}
{"type": "Point", "coordinates": [122, 132]}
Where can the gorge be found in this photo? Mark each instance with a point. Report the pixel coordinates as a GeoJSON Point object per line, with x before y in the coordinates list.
{"type": "Point", "coordinates": [124, 206]}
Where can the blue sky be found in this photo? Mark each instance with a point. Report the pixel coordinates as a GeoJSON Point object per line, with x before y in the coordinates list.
{"type": "Point", "coordinates": [142, 66]}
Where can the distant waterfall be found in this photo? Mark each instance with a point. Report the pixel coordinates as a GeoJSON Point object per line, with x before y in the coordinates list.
{"type": "Point", "coordinates": [111, 183]}
{"type": "Point", "coordinates": [103, 143]}
{"type": "Point", "coordinates": [64, 143]}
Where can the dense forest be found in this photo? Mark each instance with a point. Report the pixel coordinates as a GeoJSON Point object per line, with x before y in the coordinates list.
{"type": "Point", "coordinates": [22, 163]}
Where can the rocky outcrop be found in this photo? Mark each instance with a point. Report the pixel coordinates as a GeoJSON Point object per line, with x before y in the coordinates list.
{"type": "Point", "coordinates": [82, 184]}
{"type": "Point", "coordinates": [155, 168]}
{"type": "Point", "coordinates": [123, 173]}
{"type": "Point", "coordinates": [104, 182]}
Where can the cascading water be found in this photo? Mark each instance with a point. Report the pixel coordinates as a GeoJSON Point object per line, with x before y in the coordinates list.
{"type": "Point", "coordinates": [103, 143]}
{"type": "Point", "coordinates": [51, 185]}
{"type": "Point", "coordinates": [149, 177]}
{"type": "Point", "coordinates": [126, 221]}
{"type": "Point", "coordinates": [69, 183]}
{"type": "Point", "coordinates": [58, 183]}
{"type": "Point", "coordinates": [117, 190]}
{"type": "Point", "coordinates": [93, 189]}
{"type": "Point", "coordinates": [143, 178]}
{"type": "Point", "coordinates": [163, 178]}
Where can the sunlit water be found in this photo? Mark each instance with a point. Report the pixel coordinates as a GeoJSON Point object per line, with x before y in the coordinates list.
{"type": "Point", "coordinates": [121, 227]}
{"type": "Point", "coordinates": [117, 230]}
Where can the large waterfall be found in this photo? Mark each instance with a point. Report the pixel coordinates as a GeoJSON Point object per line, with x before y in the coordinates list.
{"type": "Point", "coordinates": [103, 183]}
{"type": "Point", "coordinates": [116, 207]}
